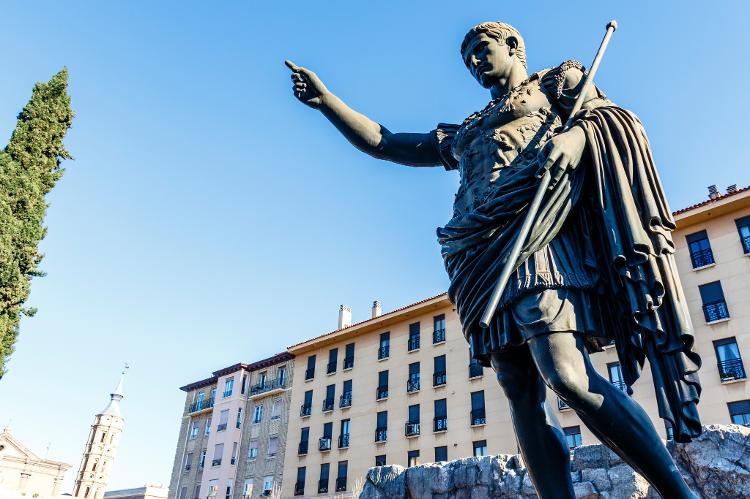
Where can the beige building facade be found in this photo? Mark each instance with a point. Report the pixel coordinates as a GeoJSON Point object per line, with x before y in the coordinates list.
{"type": "Point", "coordinates": [25, 473]}
{"type": "Point", "coordinates": [232, 436]}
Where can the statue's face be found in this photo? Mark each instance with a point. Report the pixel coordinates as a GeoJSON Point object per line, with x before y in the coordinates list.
{"type": "Point", "coordinates": [488, 59]}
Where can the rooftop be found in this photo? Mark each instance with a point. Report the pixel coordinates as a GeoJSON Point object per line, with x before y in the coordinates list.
{"type": "Point", "coordinates": [717, 204]}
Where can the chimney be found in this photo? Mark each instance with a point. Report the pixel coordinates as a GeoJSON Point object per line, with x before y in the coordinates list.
{"type": "Point", "coordinates": [345, 317]}
{"type": "Point", "coordinates": [376, 310]}
{"type": "Point", "coordinates": [713, 192]}
{"type": "Point", "coordinates": [732, 188]}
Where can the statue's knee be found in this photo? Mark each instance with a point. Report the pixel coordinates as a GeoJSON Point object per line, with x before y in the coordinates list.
{"type": "Point", "coordinates": [517, 385]}
{"type": "Point", "coordinates": [569, 386]}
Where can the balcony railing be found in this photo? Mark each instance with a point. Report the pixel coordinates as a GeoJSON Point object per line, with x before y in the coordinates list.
{"type": "Point", "coordinates": [348, 362]}
{"type": "Point", "coordinates": [411, 429]}
{"type": "Point", "coordinates": [412, 384]}
{"type": "Point", "coordinates": [715, 311]}
{"type": "Point", "coordinates": [323, 486]}
{"type": "Point", "coordinates": [746, 244]}
{"type": "Point", "coordinates": [701, 258]}
{"type": "Point", "coordinates": [324, 443]}
{"type": "Point", "coordinates": [199, 405]}
{"type": "Point", "coordinates": [478, 417]}
{"type": "Point", "coordinates": [344, 441]}
{"type": "Point", "coordinates": [731, 369]}
{"type": "Point", "coordinates": [299, 488]}
{"type": "Point", "coordinates": [439, 379]}
{"type": "Point", "coordinates": [413, 343]}
{"type": "Point", "coordinates": [233, 460]}
{"type": "Point", "coordinates": [216, 462]}
{"type": "Point", "coordinates": [221, 427]}
{"type": "Point", "coordinates": [381, 434]}
{"type": "Point", "coordinates": [345, 400]}
{"type": "Point", "coordinates": [621, 385]}
{"type": "Point", "coordinates": [267, 386]}
{"type": "Point", "coordinates": [309, 373]}
{"type": "Point", "coordinates": [384, 352]}
{"type": "Point", "coordinates": [561, 404]}
{"type": "Point", "coordinates": [302, 448]}
{"type": "Point", "coordinates": [440, 424]}
{"type": "Point", "coordinates": [475, 370]}
{"type": "Point", "coordinates": [341, 484]}
{"type": "Point", "coordinates": [328, 404]}
{"type": "Point", "coordinates": [331, 367]}
{"type": "Point", "coordinates": [305, 410]}
{"type": "Point", "coordinates": [438, 336]}
{"type": "Point", "coordinates": [381, 392]}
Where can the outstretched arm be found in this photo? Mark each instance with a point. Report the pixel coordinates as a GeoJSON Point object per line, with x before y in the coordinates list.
{"type": "Point", "coordinates": [413, 149]}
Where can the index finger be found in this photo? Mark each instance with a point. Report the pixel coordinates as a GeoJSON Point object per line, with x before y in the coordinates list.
{"type": "Point", "coordinates": [291, 65]}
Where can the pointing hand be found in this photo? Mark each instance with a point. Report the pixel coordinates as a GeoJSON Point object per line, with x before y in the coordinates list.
{"type": "Point", "coordinates": [308, 88]}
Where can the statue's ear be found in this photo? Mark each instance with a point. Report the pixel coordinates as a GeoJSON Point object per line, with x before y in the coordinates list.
{"type": "Point", "coordinates": [512, 43]}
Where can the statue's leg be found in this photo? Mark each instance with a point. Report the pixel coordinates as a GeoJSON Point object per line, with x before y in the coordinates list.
{"type": "Point", "coordinates": [540, 438]}
{"type": "Point", "coordinates": [612, 415]}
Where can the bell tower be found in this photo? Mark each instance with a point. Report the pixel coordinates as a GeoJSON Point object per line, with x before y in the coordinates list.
{"type": "Point", "coordinates": [100, 450]}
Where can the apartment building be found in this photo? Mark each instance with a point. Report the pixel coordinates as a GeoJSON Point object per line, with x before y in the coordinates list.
{"type": "Point", "coordinates": [229, 446]}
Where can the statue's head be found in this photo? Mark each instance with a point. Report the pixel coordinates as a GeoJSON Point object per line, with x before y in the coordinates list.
{"type": "Point", "coordinates": [490, 50]}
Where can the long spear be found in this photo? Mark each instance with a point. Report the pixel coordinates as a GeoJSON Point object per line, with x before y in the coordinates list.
{"type": "Point", "coordinates": [523, 234]}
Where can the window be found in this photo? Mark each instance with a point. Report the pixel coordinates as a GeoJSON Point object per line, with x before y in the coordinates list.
{"type": "Point", "coordinates": [213, 396]}
{"type": "Point", "coordinates": [412, 422]}
{"type": "Point", "coordinates": [194, 430]}
{"type": "Point", "coordinates": [199, 401]}
{"type": "Point", "coordinates": [218, 452]}
{"type": "Point", "coordinates": [229, 489]}
{"type": "Point", "coordinates": [385, 345]}
{"type": "Point", "coordinates": [413, 343]}
{"type": "Point", "coordinates": [299, 485]}
{"type": "Point", "coordinates": [202, 461]}
{"type": "Point", "coordinates": [233, 459]}
{"type": "Point", "coordinates": [330, 400]}
{"type": "Point", "coordinates": [382, 390]}
{"type": "Point", "coordinates": [341, 477]}
{"type": "Point", "coordinates": [333, 356]}
{"type": "Point", "coordinates": [207, 429]}
{"type": "Point", "coordinates": [743, 227]}
{"type": "Point", "coordinates": [714, 305]}
{"type": "Point", "coordinates": [252, 451]}
{"type": "Point", "coordinates": [276, 409]}
{"type": "Point", "coordinates": [349, 356]}
{"type": "Point", "coordinates": [441, 453]}
{"type": "Point", "coordinates": [344, 434]}
{"type": "Point", "coordinates": [380, 460]}
{"type": "Point", "coordinates": [381, 427]}
{"type": "Point", "coordinates": [440, 422]}
{"type": "Point", "coordinates": [346, 394]}
{"type": "Point", "coordinates": [258, 414]}
{"type": "Point", "coordinates": [213, 488]}
{"type": "Point", "coordinates": [281, 376]}
{"type": "Point", "coordinates": [183, 493]}
{"type": "Point", "coordinates": [197, 492]}
{"type": "Point", "coordinates": [243, 386]}
{"type": "Point", "coordinates": [573, 436]}
{"type": "Point", "coordinates": [223, 420]}
{"type": "Point", "coordinates": [729, 360]}
{"type": "Point", "coordinates": [325, 441]}
{"type": "Point", "coordinates": [412, 384]}
{"type": "Point", "coordinates": [478, 416]}
{"type": "Point", "coordinates": [228, 385]}
{"type": "Point", "coordinates": [310, 371]}
{"type": "Point", "coordinates": [273, 446]}
{"type": "Point", "coordinates": [262, 379]}
{"type": "Point", "coordinates": [323, 482]}
{"type": "Point", "coordinates": [267, 485]}
{"type": "Point", "coordinates": [238, 423]}
{"type": "Point", "coordinates": [188, 462]}
{"type": "Point", "coordinates": [306, 408]}
{"type": "Point", "coordinates": [247, 489]}
{"type": "Point", "coordinates": [615, 376]}
{"type": "Point", "coordinates": [303, 440]}
{"type": "Point", "coordinates": [480, 448]}
{"type": "Point", "coordinates": [438, 333]}
{"type": "Point", "coordinates": [412, 458]}
{"type": "Point", "coordinates": [700, 249]}
{"type": "Point", "coordinates": [439, 377]}
{"type": "Point", "coordinates": [475, 369]}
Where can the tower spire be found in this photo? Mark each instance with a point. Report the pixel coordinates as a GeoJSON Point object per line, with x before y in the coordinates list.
{"type": "Point", "coordinates": [113, 408]}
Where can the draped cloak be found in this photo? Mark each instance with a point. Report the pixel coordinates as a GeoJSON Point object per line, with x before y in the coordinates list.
{"type": "Point", "coordinates": [617, 195]}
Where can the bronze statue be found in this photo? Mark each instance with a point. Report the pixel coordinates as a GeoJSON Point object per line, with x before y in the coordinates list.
{"type": "Point", "coordinates": [597, 267]}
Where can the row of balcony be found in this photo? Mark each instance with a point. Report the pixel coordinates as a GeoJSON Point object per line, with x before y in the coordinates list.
{"type": "Point", "coordinates": [330, 367]}
{"type": "Point", "coordinates": [268, 385]}
{"type": "Point", "coordinates": [199, 405]}
{"type": "Point", "coordinates": [299, 487]}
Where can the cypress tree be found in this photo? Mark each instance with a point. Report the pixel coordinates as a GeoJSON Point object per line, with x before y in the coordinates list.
{"type": "Point", "coordinates": [29, 169]}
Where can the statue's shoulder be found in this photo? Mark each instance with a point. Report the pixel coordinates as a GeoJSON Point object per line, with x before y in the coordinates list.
{"type": "Point", "coordinates": [559, 80]}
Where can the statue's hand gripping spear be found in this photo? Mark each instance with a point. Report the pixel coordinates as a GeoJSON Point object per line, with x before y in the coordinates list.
{"type": "Point", "coordinates": [512, 258]}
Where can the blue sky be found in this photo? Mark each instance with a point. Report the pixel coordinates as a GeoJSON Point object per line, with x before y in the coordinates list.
{"type": "Point", "coordinates": [208, 218]}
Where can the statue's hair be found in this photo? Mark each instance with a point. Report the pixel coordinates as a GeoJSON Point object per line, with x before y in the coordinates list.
{"type": "Point", "coordinates": [500, 32]}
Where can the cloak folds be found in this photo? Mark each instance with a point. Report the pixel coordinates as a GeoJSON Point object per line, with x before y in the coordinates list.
{"type": "Point", "coordinates": [617, 199]}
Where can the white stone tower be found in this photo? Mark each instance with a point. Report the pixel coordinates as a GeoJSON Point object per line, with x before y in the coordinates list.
{"type": "Point", "coordinates": [99, 454]}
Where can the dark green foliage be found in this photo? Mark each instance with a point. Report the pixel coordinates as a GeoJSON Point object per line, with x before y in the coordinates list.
{"type": "Point", "coordinates": [29, 169]}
